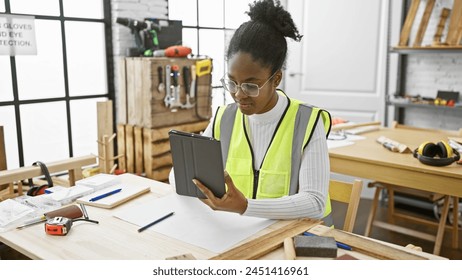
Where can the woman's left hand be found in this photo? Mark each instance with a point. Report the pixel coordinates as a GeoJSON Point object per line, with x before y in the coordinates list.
{"type": "Point", "coordinates": [232, 201]}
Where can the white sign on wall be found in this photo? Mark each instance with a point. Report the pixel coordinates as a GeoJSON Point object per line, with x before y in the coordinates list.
{"type": "Point", "coordinates": [17, 35]}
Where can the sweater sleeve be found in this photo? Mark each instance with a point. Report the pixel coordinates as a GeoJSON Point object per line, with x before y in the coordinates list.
{"type": "Point", "coordinates": [314, 183]}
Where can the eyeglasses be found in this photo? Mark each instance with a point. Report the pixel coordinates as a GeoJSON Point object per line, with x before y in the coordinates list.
{"type": "Point", "coordinates": [249, 89]}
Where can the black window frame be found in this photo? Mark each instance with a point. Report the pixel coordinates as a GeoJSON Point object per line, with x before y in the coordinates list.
{"type": "Point", "coordinates": [110, 94]}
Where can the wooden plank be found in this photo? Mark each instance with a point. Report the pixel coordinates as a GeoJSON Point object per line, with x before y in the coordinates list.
{"type": "Point", "coordinates": [122, 162]}
{"type": "Point", "coordinates": [145, 93]}
{"type": "Point", "coordinates": [456, 16]}
{"type": "Point", "coordinates": [406, 30]}
{"type": "Point", "coordinates": [75, 175]}
{"type": "Point", "coordinates": [161, 174]}
{"type": "Point", "coordinates": [3, 163]}
{"type": "Point", "coordinates": [172, 118]}
{"type": "Point", "coordinates": [6, 190]}
{"type": "Point", "coordinates": [138, 133]}
{"type": "Point", "coordinates": [147, 151]}
{"type": "Point", "coordinates": [22, 173]}
{"type": "Point", "coordinates": [140, 106]}
{"type": "Point", "coordinates": [122, 91]}
{"type": "Point", "coordinates": [130, 148]}
{"type": "Point", "coordinates": [441, 226]}
{"type": "Point", "coordinates": [404, 230]}
{"type": "Point", "coordinates": [459, 32]}
{"type": "Point", "coordinates": [289, 249]}
{"type": "Point", "coordinates": [424, 23]}
{"type": "Point", "coordinates": [440, 28]}
{"type": "Point", "coordinates": [455, 226]}
{"type": "Point", "coordinates": [161, 161]}
{"type": "Point", "coordinates": [162, 133]}
{"type": "Point", "coordinates": [269, 242]}
{"type": "Point", "coordinates": [366, 245]}
{"type": "Point", "coordinates": [105, 121]}
{"type": "Point", "coordinates": [355, 125]}
{"type": "Point", "coordinates": [160, 147]}
{"type": "Point", "coordinates": [131, 90]}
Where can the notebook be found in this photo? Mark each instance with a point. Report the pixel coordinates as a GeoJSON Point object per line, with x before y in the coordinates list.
{"type": "Point", "coordinates": [125, 194]}
{"type": "Point", "coordinates": [99, 181]}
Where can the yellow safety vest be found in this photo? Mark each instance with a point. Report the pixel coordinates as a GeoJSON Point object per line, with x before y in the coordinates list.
{"type": "Point", "coordinates": [279, 172]}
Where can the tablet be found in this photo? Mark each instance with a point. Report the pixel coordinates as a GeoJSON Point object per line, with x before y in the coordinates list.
{"type": "Point", "coordinates": [196, 156]}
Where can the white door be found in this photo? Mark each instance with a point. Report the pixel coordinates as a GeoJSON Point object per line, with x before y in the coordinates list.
{"type": "Point", "coordinates": [340, 63]}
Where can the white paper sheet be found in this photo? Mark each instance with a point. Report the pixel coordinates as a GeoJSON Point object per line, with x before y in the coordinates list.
{"type": "Point", "coordinates": [194, 222]}
{"type": "Point", "coordinates": [331, 144]}
{"type": "Point", "coordinates": [12, 211]}
{"type": "Point", "coordinates": [349, 140]}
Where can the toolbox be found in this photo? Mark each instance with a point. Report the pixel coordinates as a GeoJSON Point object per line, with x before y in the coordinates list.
{"type": "Point", "coordinates": [159, 92]}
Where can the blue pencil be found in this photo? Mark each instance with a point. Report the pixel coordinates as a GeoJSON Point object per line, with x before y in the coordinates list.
{"type": "Point", "coordinates": [104, 195]}
{"type": "Point", "coordinates": [155, 222]}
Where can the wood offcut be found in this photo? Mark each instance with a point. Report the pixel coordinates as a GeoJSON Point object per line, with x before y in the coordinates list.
{"type": "Point", "coordinates": [406, 30]}
{"type": "Point", "coordinates": [269, 242]}
{"type": "Point", "coordinates": [424, 23]}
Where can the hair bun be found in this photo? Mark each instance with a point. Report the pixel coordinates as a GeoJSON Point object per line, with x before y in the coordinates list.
{"type": "Point", "coordinates": [273, 14]}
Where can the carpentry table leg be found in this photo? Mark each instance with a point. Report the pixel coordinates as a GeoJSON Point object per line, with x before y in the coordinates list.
{"type": "Point", "coordinates": [391, 205]}
{"type": "Point", "coordinates": [441, 226]}
{"type": "Point", "coordinates": [370, 219]}
{"type": "Point", "coordinates": [455, 223]}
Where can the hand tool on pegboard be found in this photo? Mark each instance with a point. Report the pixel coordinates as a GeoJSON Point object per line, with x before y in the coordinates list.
{"type": "Point", "coordinates": [161, 85]}
{"type": "Point", "coordinates": [187, 89]}
{"type": "Point", "coordinates": [167, 98]}
{"type": "Point", "coordinates": [192, 91]}
{"type": "Point", "coordinates": [175, 98]}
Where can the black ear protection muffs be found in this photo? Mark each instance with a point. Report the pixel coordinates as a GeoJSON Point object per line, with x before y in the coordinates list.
{"type": "Point", "coordinates": [445, 154]}
{"type": "Point", "coordinates": [38, 190]}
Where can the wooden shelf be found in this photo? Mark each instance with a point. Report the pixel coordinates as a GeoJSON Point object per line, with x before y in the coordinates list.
{"type": "Point", "coordinates": [426, 49]}
{"type": "Point", "coordinates": [423, 106]}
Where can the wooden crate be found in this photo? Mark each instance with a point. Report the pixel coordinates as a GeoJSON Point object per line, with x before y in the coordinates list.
{"type": "Point", "coordinates": [143, 105]}
{"type": "Point", "coordinates": [147, 150]}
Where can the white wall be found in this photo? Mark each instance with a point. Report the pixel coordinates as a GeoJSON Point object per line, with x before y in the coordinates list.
{"type": "Point", "coordinates": [427, 73]}
{"type": "Point", "coordinates": [122, 39]}
{"type": "Point", "coordinates": [432, 72]}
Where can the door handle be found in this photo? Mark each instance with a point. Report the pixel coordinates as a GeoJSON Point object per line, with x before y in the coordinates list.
{"type": "Point", "coordinates": [294, 74]}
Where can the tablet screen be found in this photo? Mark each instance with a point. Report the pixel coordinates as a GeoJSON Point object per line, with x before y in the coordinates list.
{"type": "Point", "coordinates": [199, 157]}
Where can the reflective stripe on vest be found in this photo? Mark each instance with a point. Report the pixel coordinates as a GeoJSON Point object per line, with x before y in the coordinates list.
{"type": "Point", "coordinates": [279, 173]}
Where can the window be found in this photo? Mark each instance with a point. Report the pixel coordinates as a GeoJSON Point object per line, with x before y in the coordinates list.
{"type": "Point", "coordinates": [207, 28]}
{"type": "Point", "coordinates": [48, 101]}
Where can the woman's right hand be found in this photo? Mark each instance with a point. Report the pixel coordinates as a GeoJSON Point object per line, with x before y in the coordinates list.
{"type": "Point", "coordinates": [232, 201]}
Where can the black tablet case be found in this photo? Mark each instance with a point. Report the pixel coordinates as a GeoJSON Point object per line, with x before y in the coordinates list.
{"type": "Point", "coordinates": [196, 156]}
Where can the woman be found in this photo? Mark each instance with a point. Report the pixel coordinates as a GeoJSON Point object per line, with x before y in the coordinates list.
{"type": "Point", "coordinates": [277, 163]}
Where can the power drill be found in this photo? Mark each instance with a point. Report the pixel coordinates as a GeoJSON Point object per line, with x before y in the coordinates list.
{"type": "Point", "coordinates": [149, 29]}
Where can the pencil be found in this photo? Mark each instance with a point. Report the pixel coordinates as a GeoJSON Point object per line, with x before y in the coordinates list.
{"type": "Point", "coordinates": [155, 222]}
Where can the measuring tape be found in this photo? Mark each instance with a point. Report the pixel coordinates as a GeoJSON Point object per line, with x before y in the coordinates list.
{"type": "Point", "coordinates": [61, 225]}
{"type": "Point", "coordinates": [58, 226]}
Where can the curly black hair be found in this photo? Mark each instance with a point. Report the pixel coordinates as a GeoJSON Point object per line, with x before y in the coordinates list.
{"type": "Point", "coordinates": [263, 36]}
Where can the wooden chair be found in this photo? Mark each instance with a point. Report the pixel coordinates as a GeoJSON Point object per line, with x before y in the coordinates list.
{"type": "Point", "coordinates": [349, 193]}
{"type": "Point", "coordinates": [392, 212]}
